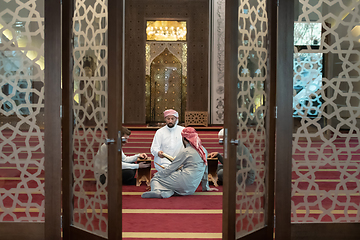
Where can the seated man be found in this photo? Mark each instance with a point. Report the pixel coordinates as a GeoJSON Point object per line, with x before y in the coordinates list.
{"type": "Point", "coordinates": [241, 163]}
{"type": "Point", "coordinates": [167, 140]}
{"type": "Point", "coordinates": [128, 163]}
{"type": "Point", "coordinates": [184, 174]}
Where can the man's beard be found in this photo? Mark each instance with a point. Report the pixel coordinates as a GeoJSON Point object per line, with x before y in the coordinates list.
{"type": "Point", "coordinates": [170, 125]}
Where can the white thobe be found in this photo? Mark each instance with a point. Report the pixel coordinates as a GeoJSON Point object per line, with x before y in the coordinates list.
{"type": "Point", "coordinates": [101, 163]}
{"type": "Point", "coordinates": [183, 175]}
{"type": "Point", "coordinates": [168, 140]}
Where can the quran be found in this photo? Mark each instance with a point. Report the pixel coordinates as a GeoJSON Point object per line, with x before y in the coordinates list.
{"type": "Point", "coordinates": [168, 157]}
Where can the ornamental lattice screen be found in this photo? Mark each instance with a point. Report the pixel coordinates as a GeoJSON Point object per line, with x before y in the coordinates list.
{"type": "Point", "coordinates": [90, 111]}
{"type": "Point", "coordinates": [251, 113]}
{"type": "Point", "coordinates": [326, 150]}
{"type": "Point", "coordinates": [21, 111]}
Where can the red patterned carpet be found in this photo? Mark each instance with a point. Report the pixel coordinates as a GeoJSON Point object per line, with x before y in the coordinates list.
{"type": "Point", "coordinates": [196, 216]}
{"type": "Point", "coordinates": [191, 217]}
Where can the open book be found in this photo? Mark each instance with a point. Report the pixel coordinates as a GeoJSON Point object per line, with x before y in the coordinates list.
{"type": "Point", "coordinates": [168, 157]}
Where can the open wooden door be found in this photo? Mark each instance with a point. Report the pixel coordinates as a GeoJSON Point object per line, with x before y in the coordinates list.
{"type": "Point", "coordinates": [318, 121]}
{"type": "Point", "coordinates": [30, 138]}
{"type": "Point", "coordinates": [92, 71]}
{"type": "Point", "coordinates": [248, 205]}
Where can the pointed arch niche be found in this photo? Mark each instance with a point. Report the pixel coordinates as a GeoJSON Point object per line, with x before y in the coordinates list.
{"type": "Point", "coordinates": [166, 79]}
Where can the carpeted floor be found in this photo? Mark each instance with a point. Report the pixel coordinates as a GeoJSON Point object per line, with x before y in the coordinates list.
{"type": "Point", "coordinates": [191, 217]}
{"type": "Point", "coordinates": [186, 215]}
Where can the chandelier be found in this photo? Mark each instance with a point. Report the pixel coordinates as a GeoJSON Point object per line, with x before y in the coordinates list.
{"type": "Point", "coordinates": [166, 30]}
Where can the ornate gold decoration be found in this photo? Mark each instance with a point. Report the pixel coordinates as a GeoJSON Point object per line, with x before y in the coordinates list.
{"type": "Point", "coordinates": [165, 85]}
{"type": "Point", "coordinates": [166, 30]}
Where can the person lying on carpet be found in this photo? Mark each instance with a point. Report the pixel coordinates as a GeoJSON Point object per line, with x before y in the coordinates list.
{"type": "Point", "coordinates": [128, 165]}
{"type": "Point", "coordinates": [167, 139]}
{"type": "Point", "coordinates": [184, 174]}
{"type": "Point", "coordinates": [242, 162]}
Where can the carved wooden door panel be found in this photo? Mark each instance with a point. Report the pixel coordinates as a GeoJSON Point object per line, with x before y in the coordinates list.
{"type": "Point", "coordinates": [249, 137]}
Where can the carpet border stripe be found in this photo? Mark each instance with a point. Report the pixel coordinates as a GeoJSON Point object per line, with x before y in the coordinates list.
{"type": "Point", "coordinates": [169, 235]}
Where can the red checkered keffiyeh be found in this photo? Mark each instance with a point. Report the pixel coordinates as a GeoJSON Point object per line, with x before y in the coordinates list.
{"type": "Point", "coordinates": [171, 112]}
{"type": "Point", "coordinates": [191, 135]}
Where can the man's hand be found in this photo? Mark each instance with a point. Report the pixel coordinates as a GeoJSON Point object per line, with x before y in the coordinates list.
{"type": "Point", "coordinates": [160, 154]}
{"type": "Point", "coordinates": [144, 165]}
{"type": "Point", "coordinates": [142, 155]}
{"type": "Point", "coordinates": [213, 154]}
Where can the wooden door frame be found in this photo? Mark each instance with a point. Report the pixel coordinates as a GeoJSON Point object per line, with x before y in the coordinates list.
{"type": "Point", "coordinates": [284, 124]}
{"type": "Point", "coordinates": [115, 39]}
{"type": "Point", "coordinates": [230, 124]}
{"type": "Point", "coordinates": [52, 55]}
{"type": "Point", "coordinates": [197, 15]}
{"type": "Point", "coordinates": [67, 120]}
{"type": "Point", "coordinates": [230, 121]}
{"type": "Point", "coordinates": [115, 63]}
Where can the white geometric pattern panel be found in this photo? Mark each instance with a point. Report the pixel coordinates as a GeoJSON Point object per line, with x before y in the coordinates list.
{"type": "Point", "coordinates": [217, 62]}
{"type": "Point", "coordinates": [326, 150]}
{"type": "Point", "coordinates": [251, 113]}
{"type": "Point", "coordinates": [90, 24]}
{"type": "Point", "coordinates": [21, 111]}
